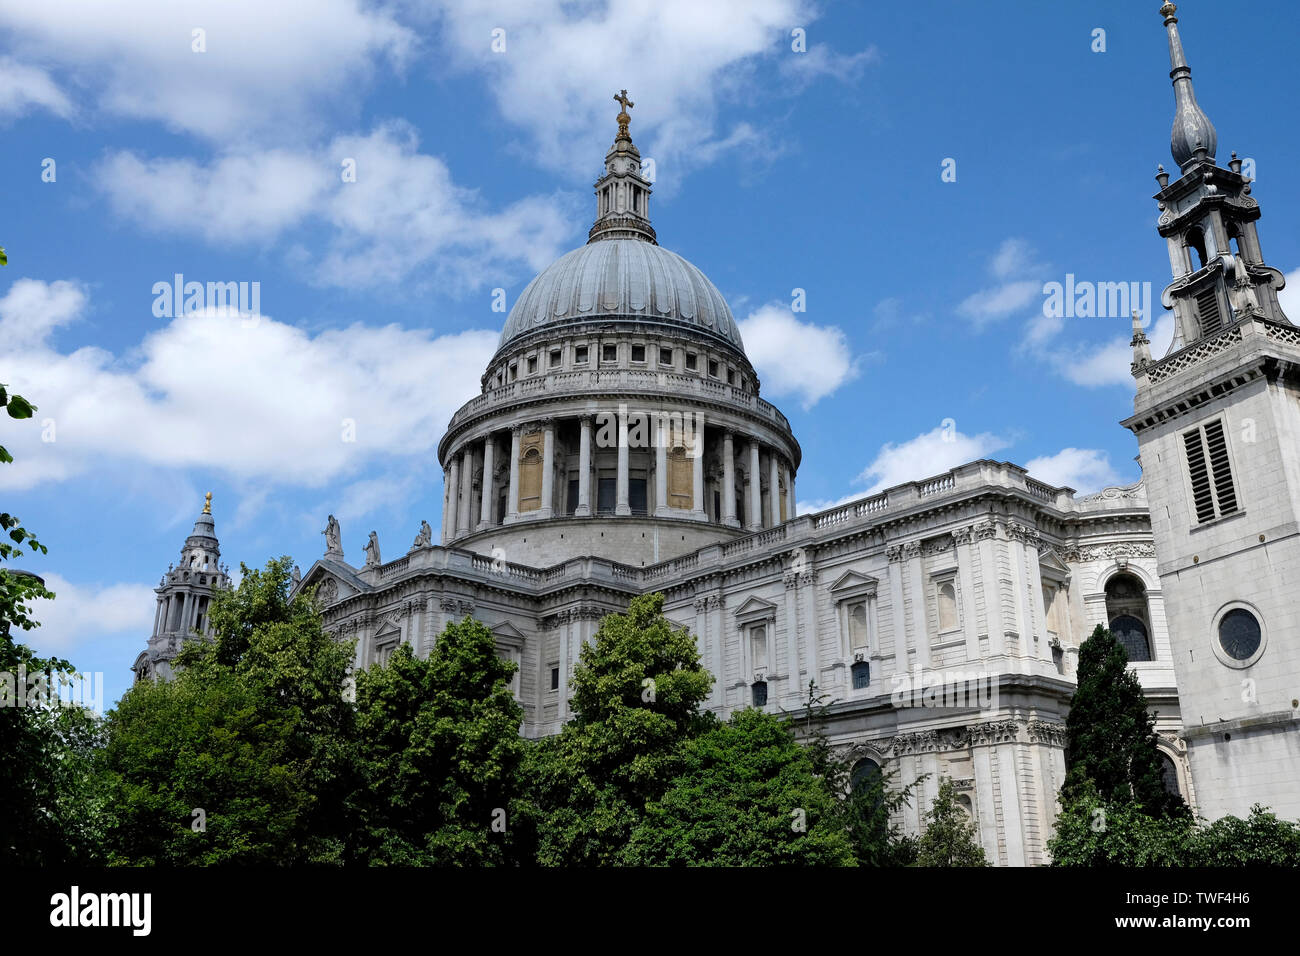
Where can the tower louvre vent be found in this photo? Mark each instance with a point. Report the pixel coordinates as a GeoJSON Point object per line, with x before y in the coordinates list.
{"type": "Point", "coordinates": [1207, 312]}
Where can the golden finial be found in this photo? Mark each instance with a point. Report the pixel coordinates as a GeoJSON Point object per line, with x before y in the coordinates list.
{"type": "Point", "coordinates": [207, 503]}
{"type": "Point", "coordinates": [623, 117]}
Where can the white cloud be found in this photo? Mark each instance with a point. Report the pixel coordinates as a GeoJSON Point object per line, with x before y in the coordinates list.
{"type": "Point", "coordinates": [1083, 469]}
{"type": "Point", "coordinates": [402, 215]}
{"type": "Point", "coordinates": [268, 69]}
{"type": "Point", "coordinates": [1106, 364]}
{"type": "Point", "coordinates": [24, 87]}
{"type": "Point", "coordinates": [679, 59]}
{"type": "Point", "coordinates": [1018, 286]}
{"type": "Point", "coordinates": [796, 358]}
{"type": "Point", "coordinates": [81, 615]}
{"type": "Point", "coordinates": [1290, 296]}
{"type": "Point", "coordinates": [249, 399]}
{"type": "Point", "coordinates": [32, 309]}
{"type": "Point", "coordinates": [930, 453]}
{"type": "Point", "coordinates": [820, 60]}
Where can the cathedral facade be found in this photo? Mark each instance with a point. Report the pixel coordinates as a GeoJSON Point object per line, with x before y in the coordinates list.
{"type": "Point", "coordinates": [620, 446]}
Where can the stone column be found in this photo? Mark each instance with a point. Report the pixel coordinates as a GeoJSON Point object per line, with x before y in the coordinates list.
{"type": "Point", "coordinates": [446, 494]}
{"type": "Point", "coordinates": [920, 602]}
{"type": "Point", "coordinates": [729, 481]}
{"type": "Point", "coordinates": [661, 466]}
{"type": "Point", "coordinates": [961, 542]}
{"type": "Point", "coordinates": [548, 468]}
{"type": "Point", "coordinates": [697, 469]}
{"type": "Point", "coordinates": [808, 614]}
{"type": "Point", "coordinates": [789, 493]}
{"type": "Point", "coordinates": [991, 585]}
{"type": "Point", "coordinates": [187, 611]}
{"type": "Point", "coordinates": [453, 499]}
{"type": "Point", "coordinates": [157, 614]}
{"type": "Point", "coordinates": [794, 686]}
{"type": "Point", "coordinates": [463, 521]}
{"type": "Point", "coordinates": [489, 453]}
{"type": "Point", "coordinates": [1016, 558]}
{"type": "Point", "coordinates": [512, 497]}
{"type": "Point", "coordinates": [755, 489]}
{"type": "Point", "coordinates": [562, 707]}
{"type": "Point", "coordinates": [774, 486]}
{"type": "Point", "coordinates": [622, 507]}
{"type": "Point", "coordinates": [717, 637]}
{"type": "Point", "coordinates": [702, 641]}
{"type": "Point", "coordinates": [584, 470]}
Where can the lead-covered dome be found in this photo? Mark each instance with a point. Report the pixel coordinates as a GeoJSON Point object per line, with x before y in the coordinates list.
{"type": "Point", "coordinates": [622, 278]}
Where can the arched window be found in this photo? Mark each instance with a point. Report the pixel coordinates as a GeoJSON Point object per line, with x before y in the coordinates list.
{"type": "Point", "coordinates": [858, 626]}
{"type": "Point", "coordinates": [1195, 242]}
{"type": "Point", "coordinates": [947, 606]}
{"type": "Point", "coordinates": [864, 776]}
{"type": "Point", "coordinates": [1169, 774]}
{"type": "Point", "coordinates": [1128, 616]}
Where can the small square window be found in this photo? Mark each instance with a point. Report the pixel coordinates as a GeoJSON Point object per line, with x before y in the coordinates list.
{"type": "Point", "coordinates": [609, 353]}
{"type": "Point", "coordinates": [555, 678]}
{"type": "Point", "coordinates": [555, 358]}
{"type": "Point", "coordinates": [690, 361]}
{"type": "Point", "coordinates": [532, 363]}
{"type": "Point", "coordinates": [665, 356]}
{"type": "Point", "coordinates": [580, 355]}
{"type": "Point", "coordinates": [638, 353]}
{"type": "Point", "coordinates": [713, 368]}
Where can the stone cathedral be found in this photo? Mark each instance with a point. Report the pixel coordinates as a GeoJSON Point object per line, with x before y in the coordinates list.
{"type": "Point", "coordinates": [620, 445]}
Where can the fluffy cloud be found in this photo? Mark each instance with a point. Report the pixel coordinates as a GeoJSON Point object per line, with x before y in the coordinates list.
{"type": "Point", "coordinates": [402, 215]}
{"type": "Point", "coordinates": [1083, 469]}
{"type": "Point", "coordinates": [82, 615]}
{"type": "Point", "coordinates": [677, 58]}
{"type": "Point", "coordinates": [1094, 365]}
{"type": "Point", "coordinates": [269, 69]}
{"type": "Point", "coordinates": [1290, 296]}
{"type": "Point", "coordinates": [1019, 284]}
{"type": "Point", "coordinates": [251, 398]}
{"type": "Point", "coordinates": [24, 87]}
{"type": "Point", "coordinates": [928, 454]}
{"type": "Point", "coordinates": [797, 358]}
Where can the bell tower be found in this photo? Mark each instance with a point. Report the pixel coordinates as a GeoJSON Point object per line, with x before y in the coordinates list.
{"type": "Point", "coordinates": [1218, 425]}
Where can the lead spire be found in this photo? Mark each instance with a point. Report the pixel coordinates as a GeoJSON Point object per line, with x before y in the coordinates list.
{"type": "Point", "coordinates": [623, 193]}
{"type": "Point", "coordinates": [1193, 138]}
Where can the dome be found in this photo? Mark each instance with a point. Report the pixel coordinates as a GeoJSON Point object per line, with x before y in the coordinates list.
{"type": "Point", "coordinates": [622, 279]}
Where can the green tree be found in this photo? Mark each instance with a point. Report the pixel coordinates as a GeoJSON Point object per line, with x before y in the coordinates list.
{"type": "Point", "coordinates": [1259, 840]}
{"type": "Point", "coordinates": [1092, 832]}
{"type": "Point", "coordinates": [747, 794]}
{"type": "Point", "coordinates": [439, 750]}
{"type": "Point", "coordinates": [246, 756]}
{"type": "Point", "coordinates": [949, 838]}
{"type": "Point", "coordinates": [637, 690]}
{"type": "Point", "coordinates": [1111, 738]}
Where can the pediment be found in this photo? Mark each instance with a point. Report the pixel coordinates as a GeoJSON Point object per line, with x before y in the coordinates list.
{"type": "Point", "coordinates": [1049, 560]}
{"type": "Point", "coordinates": [507, 634]}
{"type": "Point", "coordinates": [853, 582]}
{"type": "Point", "coordinates": [755, 608]}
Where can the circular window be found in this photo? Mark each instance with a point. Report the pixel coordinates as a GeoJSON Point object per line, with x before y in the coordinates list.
{"type": "Point", "coordinates": [1239, 634]}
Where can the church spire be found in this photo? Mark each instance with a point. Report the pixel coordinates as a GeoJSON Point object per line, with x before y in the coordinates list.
{"type": "Point", "coordinates": [623, 193]}
{"type": "Point", "coordinates": [1193, 138]}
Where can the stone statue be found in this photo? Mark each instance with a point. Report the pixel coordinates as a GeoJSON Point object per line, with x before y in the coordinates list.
{"type": "Point", "coordinates": [297, 576]}
{"type": "Point", "coordinates": [333, 538]}
{"type": "Point", "coordinates": [372, 550]}
{"type": "Point", "coordinates": [424, 539]}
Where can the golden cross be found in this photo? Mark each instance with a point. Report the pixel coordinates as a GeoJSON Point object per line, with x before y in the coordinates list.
{"type": "Point", "coordinates": [624, 101]}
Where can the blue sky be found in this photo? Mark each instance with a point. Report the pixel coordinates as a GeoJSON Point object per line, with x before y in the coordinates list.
{"type": "Point", "coordinates": [775, 170]}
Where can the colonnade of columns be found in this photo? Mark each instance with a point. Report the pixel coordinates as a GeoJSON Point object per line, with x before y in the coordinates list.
{"type": "Point", "coordinates": [465, 513]}
{"type": "Point", "coordinates": [176, 612]}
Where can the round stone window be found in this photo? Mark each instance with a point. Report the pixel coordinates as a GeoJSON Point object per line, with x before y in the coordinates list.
{"type": "Point", "coordinates": [1238, 635]}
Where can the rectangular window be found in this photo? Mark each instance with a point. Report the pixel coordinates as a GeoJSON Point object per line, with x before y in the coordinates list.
{"type": "Point", "coordinates": [1210, 472]}
{"type": "Point", "coordinates": [609, 353]}
{"type": "Point", "coordinates": [857, 615]}
{"type": "Point", "coordinates": [514, 372]}
{"type": "Point", "coordinates": [555, 358]}
{"type": "Point", "coordinates": [580, 355]}
{"type": "Point", "coordinates": [606, 495]}
{"type": "Point", "coordinates": [532, 364]}
{"type": "Point", "coordinates": [713, 368]}
{"type": "Point", "coordinates": [571, 503]}
{"type": "Point", "coordinates": [758, 646]}
{"type": "Point", "coordinates": [555, 678]}
{"type": "Point", "coordinates": [636, 495]}
{"type": "Point", "coordinates": [638, 353]}
{"type": "Point", "coordinates": [665, 356]}
{"type": "Point", "coordinates": [690, 361]}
